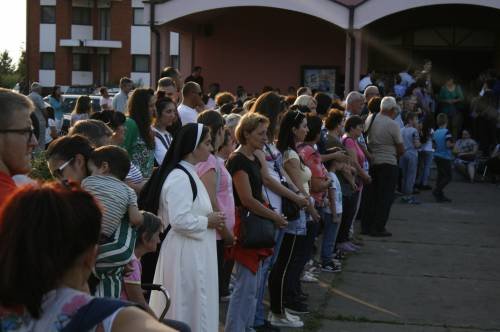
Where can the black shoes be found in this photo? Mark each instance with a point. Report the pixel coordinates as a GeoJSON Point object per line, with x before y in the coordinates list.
{"type": "Point", "coordinates": [383, 233]}
{"type": "Point", "coordinates": [297, 308]}
{"type": "Point", "coordinates": [440, 197]}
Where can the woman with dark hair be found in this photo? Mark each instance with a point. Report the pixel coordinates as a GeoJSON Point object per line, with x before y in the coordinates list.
{"type": "Point", "coordinates": [219, 185]}
{"type": "Point", "coordinates": [187, 264]}
{"type": "Point", "coordinates": [320, 183]}
{"type": "Point", "coordinates": [272, 106]}
{"type": "Point", "coordinates": [82, 110]}
{"type": "Point", "coordinates": [353, 130]}
{"type": "Point", "coordinates": [165, 115]}
{"type": "Point", "coordinates": [245, 169]}
{"type": "Point", "coordinates": [323, 102]}
{"type": "Point", "coordinates": [67, 158]}
{"type": "Point", "coordinates": [56, 101]}
{"type": "Point", "coordinates": [139, 137]}
{"type": "Point", "coordinates": [450, 97]}
{"type": "Point", "coordinates": [56, 297]}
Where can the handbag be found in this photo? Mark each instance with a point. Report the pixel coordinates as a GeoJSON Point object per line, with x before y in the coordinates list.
{"type": "Point", "coordinates": [255, 232]}
{"type": "Point", "coordinates": [288, 207]}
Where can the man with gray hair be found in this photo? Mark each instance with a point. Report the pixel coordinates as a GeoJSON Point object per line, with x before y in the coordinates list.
{"type": "Point", "coordinates": [370, 92]}
{"type": "Point", "coordinates": [353, 104]}
{"type": "Point", "coordinates": [386, 145]}
{"type": "Point", "coordinates": [37, 115]}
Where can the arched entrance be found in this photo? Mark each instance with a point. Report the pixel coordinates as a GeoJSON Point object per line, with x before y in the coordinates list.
{"type": "Point", "coordinates": [462, 40]}
{"type": "Point", "coordinates": [255, 46]}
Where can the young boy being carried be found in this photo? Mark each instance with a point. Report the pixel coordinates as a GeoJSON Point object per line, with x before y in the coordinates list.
{"type": "Point", "coordinates": [109, 165]}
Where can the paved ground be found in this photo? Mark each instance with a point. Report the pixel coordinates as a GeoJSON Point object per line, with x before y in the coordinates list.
{"type": "Point", "coordinates": [439, 272]}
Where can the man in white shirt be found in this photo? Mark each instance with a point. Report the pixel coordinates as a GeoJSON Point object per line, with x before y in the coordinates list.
{"type": "Point", "coordinates": [366, 81]}
{"type": "Point", "coordinates": [105, 101]}
{"type": "Point", "coordinates": [192, 100]}
{"type": "Point", "coordinates": [121, 98]}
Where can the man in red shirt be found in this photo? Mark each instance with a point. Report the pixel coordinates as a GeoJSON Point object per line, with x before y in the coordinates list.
{"type": "Point", "coordinates": [16, 139]}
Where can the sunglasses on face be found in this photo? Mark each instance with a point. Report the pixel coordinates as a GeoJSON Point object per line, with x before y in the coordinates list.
{"type": "Point", "coordinates": [58, 172]}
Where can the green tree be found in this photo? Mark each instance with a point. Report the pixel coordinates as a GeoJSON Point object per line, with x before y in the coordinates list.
{"type": "Point", "coordinates": [21, 66]}
{"type": "Point", "coordinates": [6, 66]}
{"type": "Point", "coordinates": [10, 74]}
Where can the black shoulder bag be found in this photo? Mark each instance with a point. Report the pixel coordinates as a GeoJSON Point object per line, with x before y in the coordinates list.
{"type": "Point", "coordinates": [288, 207]}
{"type": "Point", "coordinates": [256, 232]}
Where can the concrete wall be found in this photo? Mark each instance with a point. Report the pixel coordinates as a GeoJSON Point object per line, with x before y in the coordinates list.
{"type": "Point", "coordinates": [270, 53]}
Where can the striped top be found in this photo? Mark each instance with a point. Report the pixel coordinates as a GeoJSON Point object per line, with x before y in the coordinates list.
{"type": "Point", "coordinates": [114, 196]}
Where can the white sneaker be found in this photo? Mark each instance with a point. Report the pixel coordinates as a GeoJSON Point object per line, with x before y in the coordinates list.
{"type": "Point", "coordinates": [308, 277]}
{"type": "Point", "coordinates": [288, 315]}
{"type": "Point", "coordinates": [284, 321]}
{"type": "Point", "coordinates": [291, 316]}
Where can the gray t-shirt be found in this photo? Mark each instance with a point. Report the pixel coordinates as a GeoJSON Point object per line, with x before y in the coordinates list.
{"type": "Point", "coordinates": [382, 139]}
{"type": "Point", "coordinates": [409, 135]}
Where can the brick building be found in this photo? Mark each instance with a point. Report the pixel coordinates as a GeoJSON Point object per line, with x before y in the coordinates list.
{"type": "Point", "coordinates": [86, 42]}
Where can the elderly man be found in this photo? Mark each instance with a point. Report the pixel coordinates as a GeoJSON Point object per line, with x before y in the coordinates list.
{"type": "Point", "coordinates": [354, 103]}
{"type": "Point", "coordinates": [16, 139]}
{"type": "Point", "coordinates": [370, 92]}
{"type": "Point", "coordinates": [386, 144]}
{"type": "Point", "coordinates": [120, 99]}
{"type": "Point", "coordinates": [37, 114]}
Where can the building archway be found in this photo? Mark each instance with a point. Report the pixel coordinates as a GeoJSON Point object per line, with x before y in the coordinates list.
{"type": "Point", "coordinates": [329, 11]}
{"type": "Point", "coordinates": [370, 11]}
{"type": "Point", "coordinates": [461, 40]}
{"type": "Point", "coordinates": [255, 46]}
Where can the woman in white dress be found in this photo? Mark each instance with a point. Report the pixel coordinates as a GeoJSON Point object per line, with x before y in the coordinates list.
{"type": "Point", "coordinates": [187, 265]}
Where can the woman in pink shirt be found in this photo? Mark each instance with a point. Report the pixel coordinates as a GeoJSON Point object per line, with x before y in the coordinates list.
{"type": "Point", "coordinates": [219, 186]}
{"type": "Point", "coordinates": [353, 131]}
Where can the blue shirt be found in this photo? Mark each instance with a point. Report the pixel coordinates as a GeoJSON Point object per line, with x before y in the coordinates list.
{"type": "Point", "coordinates": [410, 135]}
{"type": "Point", "coordinates": [440, 137]}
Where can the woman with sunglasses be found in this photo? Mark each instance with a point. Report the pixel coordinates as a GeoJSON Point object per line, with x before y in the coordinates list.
{"type": "Point", "coordinates": [56, 297]}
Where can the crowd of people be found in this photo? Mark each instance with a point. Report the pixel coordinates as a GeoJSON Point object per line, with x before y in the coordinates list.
{"type": "Point", "coordinates": [217, 197]}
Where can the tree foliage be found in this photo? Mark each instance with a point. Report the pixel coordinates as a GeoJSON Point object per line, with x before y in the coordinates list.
{"type": "Point", "coordinates": [11, 74]}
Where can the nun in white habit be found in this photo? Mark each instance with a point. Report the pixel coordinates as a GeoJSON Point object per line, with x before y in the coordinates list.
{"type": "Point", "coordinates": [187, 264]}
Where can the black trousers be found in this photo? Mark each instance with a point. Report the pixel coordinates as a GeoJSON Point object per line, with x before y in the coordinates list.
{"type": "Point", "coordinates": [278, 276]}
{"type": "Point", "coordinates": [486, 132]}
{"type": "Point", "coordinates": [225, 268]}
{"type": "Point", "coordinates": [443, 174]}
{"type": "Point", "coordinates": [349, 205]}
{"type": "Point", "coordinates": [291, 286]}
{"type": "Point", "coordinates": [380, 196]}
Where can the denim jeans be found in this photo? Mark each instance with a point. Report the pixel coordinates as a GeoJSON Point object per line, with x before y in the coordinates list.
{"type": "Point", "coordinates": [408, 164]}
{"type": "Point", "coordinates": [330, 231]}
{"type": "Point", "coordinates": [424, 167]}
{"type": "Point", "coordinates": [260, 315]}
{"type": "Point", "coordinates": [241, 310]}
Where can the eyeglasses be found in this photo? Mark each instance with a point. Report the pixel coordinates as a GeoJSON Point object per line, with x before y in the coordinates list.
{"type": "Point", "coordinates": [30, 131]}
{"type": "Point", "coordinates": [58, 172]}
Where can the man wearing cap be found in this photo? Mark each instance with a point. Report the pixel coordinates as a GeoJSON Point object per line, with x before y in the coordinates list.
{"type": "Point", "coordinates": [386, 145]}
{"type": "Point", "coordinates": [37, 115]}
